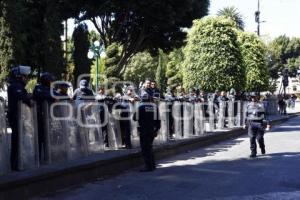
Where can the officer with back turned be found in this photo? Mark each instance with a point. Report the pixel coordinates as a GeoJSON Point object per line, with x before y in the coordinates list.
{"type": "Point", "coordinates": [149, 124]}
{"type": "Point", "coordinates": [256, 123]}
{"type": "Point", "coordinates": [16, 92]}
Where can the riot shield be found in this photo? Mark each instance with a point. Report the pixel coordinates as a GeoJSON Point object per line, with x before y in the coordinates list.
{"type": "Point", "coordinates": [4, 144]}
{"type": "Point", "coordinates": [28, 157]}
{"type": "Point", "coordinates": [114, 132]}
{"type": "Point", "coordinates": [199, 119]}
{"type": "Point", "coordinates": [231, 115]}
{"type": "Point", "coordinates": [244, 112]}
{"type": "Point", "coordinates": [57, 136]}
{"type": "Point", "coordinates": [211, 112]}
{"type": "Point", "coordinates": [163, 133]}
{"type": "Point", "coordinates": [188, 119]}
{"type": "Point", "coordinates": [221, 115]}
{"type": "Point", "coordinates": [177, 112]}
{"type": "Point", "coordinates": [135, 140]}
{"type": "Point", "coordinates": [90, 134]}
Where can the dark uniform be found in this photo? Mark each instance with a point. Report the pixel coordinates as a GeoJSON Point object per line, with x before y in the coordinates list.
{"type": "Point", "coordinates": [42, 94]}
{"type": "Point", "coordinates": [125, 122]}
{"type": "Point", "coordinates": [149, 124]}
{"type": "Point", "coordinates": [170, 98]}
{"type": "Point", "coordinates": [16, 92]}
{"type": "Point", "coordinates": [103, 112]}
{"type": "Point", "coordinates": [255, 120]}
{"type": "Point", "coordinates": [83, 93]}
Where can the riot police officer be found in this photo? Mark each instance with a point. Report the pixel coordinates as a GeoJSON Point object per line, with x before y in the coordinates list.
{"type": "Point", "coordinates": [16, 92]}
{"type": "Point", "coordinates": [42, 94]}
{"type": "Point", "coordinates": [256, 122]}
{"type": "Point", "coordinates": [83, 92]}
{"type": "Point", "coordinates": [149, 123]}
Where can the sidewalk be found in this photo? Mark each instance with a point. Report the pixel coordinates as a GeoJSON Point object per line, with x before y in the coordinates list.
{"type": "Point", "coordinates": [49, 178]}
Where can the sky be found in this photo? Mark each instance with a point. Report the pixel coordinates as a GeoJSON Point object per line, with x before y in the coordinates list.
{"type": "Point", "coordinates": [280, 16]}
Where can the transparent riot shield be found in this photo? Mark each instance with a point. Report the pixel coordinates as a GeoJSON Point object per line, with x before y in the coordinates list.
{"type": "Point", "coordinates": [239, 113]}
{"type": "Point", "coordinates": [163, 133]}
{"type": "Point", "coordinates": [211, 118]}
{"type": "Point", "coordinates": [28, 155]}
{"type": "Point", "coordinates": [114, 132]}
{"type": "Point", "coordinates": [199, 119]}
{"type": "Point", "coordinates": [91, 139]}
{"type": "Point", "coordinates": [231, 115]}
{"type": "Point", "coordinates": [57, 136]}
{"type": "Point", "coordinates": [244, 112]}
{"type": "Point", "coordinates": [188, 119]}
{"type": "Point", "coordinates": [4, 144]}
{"type": "Point", "coordinates": [221, 115]}
{"type": "Point", "coordinates": [177, 112]}
{"type": "Point", "coordinates": [135, 140]}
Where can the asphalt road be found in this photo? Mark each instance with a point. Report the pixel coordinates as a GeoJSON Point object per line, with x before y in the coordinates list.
{"type": "Point", "coordinates": [221, 172]}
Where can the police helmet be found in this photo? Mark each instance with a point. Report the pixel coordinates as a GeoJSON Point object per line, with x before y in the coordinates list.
{"type": "Point", "coordinates": [84, 83]}
{"type": "Point", "coordinates": [21, 71]}
{"type": "Point", "coordinates": [63, 85]}
{"type": "Point", "coordinates": [254, 94]}
{"type": "Point", "coordinates": [46, 78]}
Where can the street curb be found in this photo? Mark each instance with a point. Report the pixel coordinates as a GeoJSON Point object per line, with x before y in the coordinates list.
{"type": "Point", "coordinates": [50, 178]}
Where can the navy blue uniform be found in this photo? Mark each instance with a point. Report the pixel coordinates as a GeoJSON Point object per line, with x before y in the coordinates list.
{"type": "Point", "coordinates": [149, 124]}
{"type": "Point", "coordinates": [42, 95]}
{"type": "Point", "coordinates": [83, 94]}
{"type": "Point", "coordinates": [125, 122]}
{"type": "Point", "coordinates": [255, 121]}
{"type": "Point", "coordinates": [16, 92]}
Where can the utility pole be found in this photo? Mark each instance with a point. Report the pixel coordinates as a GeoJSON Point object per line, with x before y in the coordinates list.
{"type": "Point", "coordinates": [66, 39]}
{"type": "Point", "coordinates": [257, 18]}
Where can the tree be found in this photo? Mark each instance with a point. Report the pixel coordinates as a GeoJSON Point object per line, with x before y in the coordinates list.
{"type": "Point", "coordinates": [113, 55]}
{"type": "Point", "coordinates": [254, 54]}
{"type": "Point", "coordinates": [11, 36]}
{"type": "Point", "coordinates": [143, 25]}
{"type": "Point", "coordinates": [34, 29]}
{"type": "Point", "coordinates": [140, 67]}
{"type": "Point", "coordinates": [212, 56]}
{"type": "Point", "coordinates": [81, 48]}
{"type": "Point", "coordinates": [174, 68]}
{"type": "Point", "coordinates": [233, 14]}
{"type": "Point", "coordinates": [283, 51]}
{"type": "Point", "coordinates": [160, 76]}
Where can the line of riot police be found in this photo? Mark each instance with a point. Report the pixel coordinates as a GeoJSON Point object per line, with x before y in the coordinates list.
{"type": "Point", "coordinates": [46, 91]}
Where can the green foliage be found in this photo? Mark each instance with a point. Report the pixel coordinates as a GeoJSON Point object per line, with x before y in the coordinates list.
{"type": "Point", "coordinates": [11, 38]}
{"type": "Point", "coordinates": [283, 53]}
{"type": "Point", "coordinates": [254, 55]}
{"type": "Point", "coordinates": [30, 35]}
{"type": "Point", "coordinates": [140, 67]}
{"type": "Point", "coordinates": [212, 56]}
{"type": "Point", "coordinates": [101, 72]}
{"type": "Point", "coordinates": [160, 76]}
{"type": "Point", "coordinates": [113, 55]}
{"type": "Point", "coordinates": [293, 64]}
{"type": "Point", "coordinates": [233, 14]}
{"type": "Point", "coordinates": [143, 25]}
{"type": "Point", "coordinates": [31, 84]}
{"type": "Point", "coordinates": [174, 68]}
{"type": "Point", "coordinates": [81, 48]}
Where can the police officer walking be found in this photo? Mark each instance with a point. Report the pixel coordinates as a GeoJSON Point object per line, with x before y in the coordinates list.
{"type": "Point", "coordinates": [255, 120]}
{"type": "Point", "coordinates": [16, 92]}
{"type": "Point", "coordinates": [149, 123]}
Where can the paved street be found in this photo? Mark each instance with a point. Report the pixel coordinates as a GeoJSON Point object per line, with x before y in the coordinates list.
{"type": "Point", "coordinates": [220, 172]}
